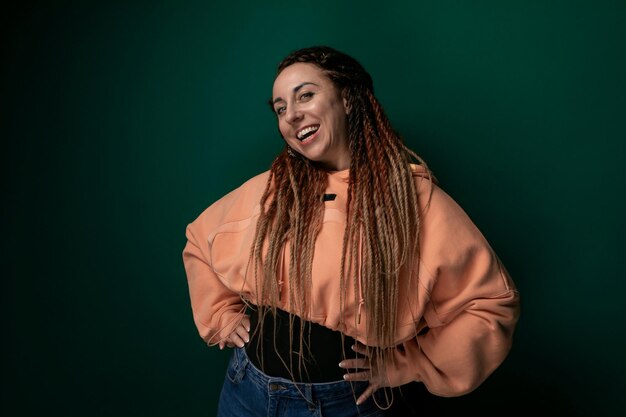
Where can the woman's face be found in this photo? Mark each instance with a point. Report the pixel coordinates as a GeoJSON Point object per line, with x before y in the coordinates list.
{"type": "Point", "coordinates": [312, 115]}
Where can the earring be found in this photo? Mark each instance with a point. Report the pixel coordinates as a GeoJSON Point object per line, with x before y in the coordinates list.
{"type": "Point", "coordinates": [291, 152]}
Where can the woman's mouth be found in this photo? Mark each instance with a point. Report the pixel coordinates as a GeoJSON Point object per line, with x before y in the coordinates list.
{"type": "Point", "coordinates": [307, 134]}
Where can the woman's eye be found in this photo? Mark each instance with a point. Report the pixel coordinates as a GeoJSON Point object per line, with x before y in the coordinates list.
{"type": "Point", "coordinates": [280, 110]}
{"type": "Point", "coordinates": [305, 96]}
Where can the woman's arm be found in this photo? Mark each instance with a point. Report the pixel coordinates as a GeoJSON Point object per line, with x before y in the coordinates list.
{"type": "Point", "coordinates": [218, 312]}
{"type": "Point", "coordinates": [472, 311]}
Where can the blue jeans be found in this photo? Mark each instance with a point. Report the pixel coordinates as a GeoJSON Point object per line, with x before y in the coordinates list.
{"type": "Point", "coordinates": [248, 392]}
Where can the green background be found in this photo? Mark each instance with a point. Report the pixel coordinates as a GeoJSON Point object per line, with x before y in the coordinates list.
{"type": "Point", "coordinates": [122, 121]}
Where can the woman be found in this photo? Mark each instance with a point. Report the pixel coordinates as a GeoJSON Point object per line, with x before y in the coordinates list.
{"type": "Point", "coordinates": [344, 270]}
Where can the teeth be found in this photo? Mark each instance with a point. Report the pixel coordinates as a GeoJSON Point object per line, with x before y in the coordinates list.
{"type": "Point", "coordinates": [306, 131]}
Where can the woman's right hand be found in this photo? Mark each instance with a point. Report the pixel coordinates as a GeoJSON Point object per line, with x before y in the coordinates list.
{"type": "Point", "coordinates": [240, 335]}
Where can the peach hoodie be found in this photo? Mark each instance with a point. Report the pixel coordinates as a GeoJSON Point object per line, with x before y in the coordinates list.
{"type": "Point", "coordinates": [464, 296]}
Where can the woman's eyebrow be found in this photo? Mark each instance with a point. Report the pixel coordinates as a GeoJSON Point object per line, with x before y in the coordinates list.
{"type": "Point", "coordinates": [298, 87]}
{"type": "Point", "coordinates": [295, 90]}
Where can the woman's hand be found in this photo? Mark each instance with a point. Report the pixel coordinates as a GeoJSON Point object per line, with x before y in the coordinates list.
{"type": "Point", "coordinates": [240, 335]}
{"type": "Point", "coordinates": [368, 371]}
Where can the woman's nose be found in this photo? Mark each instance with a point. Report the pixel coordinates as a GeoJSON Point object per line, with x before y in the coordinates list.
{"type": "Point", "coordinates": [293, 115]}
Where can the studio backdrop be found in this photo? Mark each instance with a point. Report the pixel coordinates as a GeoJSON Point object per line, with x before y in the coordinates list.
{"type": "Point", "coordinates": [122, 121]}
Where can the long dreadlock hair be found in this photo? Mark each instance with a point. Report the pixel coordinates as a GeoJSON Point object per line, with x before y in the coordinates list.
{"type": "Point", "coordinates": [382, 225]}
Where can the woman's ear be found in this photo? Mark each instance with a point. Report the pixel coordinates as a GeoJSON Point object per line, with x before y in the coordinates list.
{"type": "Point", "coordinates": [345, 102]}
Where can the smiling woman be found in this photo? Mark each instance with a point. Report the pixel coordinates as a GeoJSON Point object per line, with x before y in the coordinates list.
{"type": "Point", "coordinates": [344, 270]}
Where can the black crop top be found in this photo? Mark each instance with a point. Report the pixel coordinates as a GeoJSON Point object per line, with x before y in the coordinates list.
{"type": "Point", "coordinates": [321, 359]}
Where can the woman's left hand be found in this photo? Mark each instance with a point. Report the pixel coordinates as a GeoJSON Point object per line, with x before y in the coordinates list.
{"type": "Point", "coordinates": [368, 371]}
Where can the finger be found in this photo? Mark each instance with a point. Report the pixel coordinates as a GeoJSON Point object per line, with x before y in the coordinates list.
{"type": "Point", "coordinates": [236, 340]}
{"type": "Point", "coordinates": [357, 376]}
{"type": "Point", "coordinates": [245, 321]}
{"type": "Point", "coordinates": [371, 388]}
{"type": "Point", "coordinates": [359, 347]}
{"type": "Point", "coordinates": [242, 332]}
{"type": "Point", "coordinates": [362, 363]}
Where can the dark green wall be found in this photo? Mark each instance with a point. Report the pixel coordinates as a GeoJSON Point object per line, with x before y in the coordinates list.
{"type": "Point", "coordinates": [122, 122]}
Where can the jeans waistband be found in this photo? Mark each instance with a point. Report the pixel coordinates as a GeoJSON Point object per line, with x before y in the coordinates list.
{"type": "Point", "coordinates": [285, 387]}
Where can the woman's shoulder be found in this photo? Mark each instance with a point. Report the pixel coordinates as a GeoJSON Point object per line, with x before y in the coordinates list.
{"type": "Point", "coordinates": [253, 186]}
{"type": "Point", "coordinates": [434, 201]}
{"type": "Point", "coordinates": [421, 172]}
{"type": "Point", "coordinates": [425, 181]}
{"type": "Point", "coordinates": [238, 204]}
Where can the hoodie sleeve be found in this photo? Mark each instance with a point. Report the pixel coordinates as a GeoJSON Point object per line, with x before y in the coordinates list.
{"type": "Point", "coordinates": [217, 310]}
{"type": "Point", "coordinates": [472, 311]}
